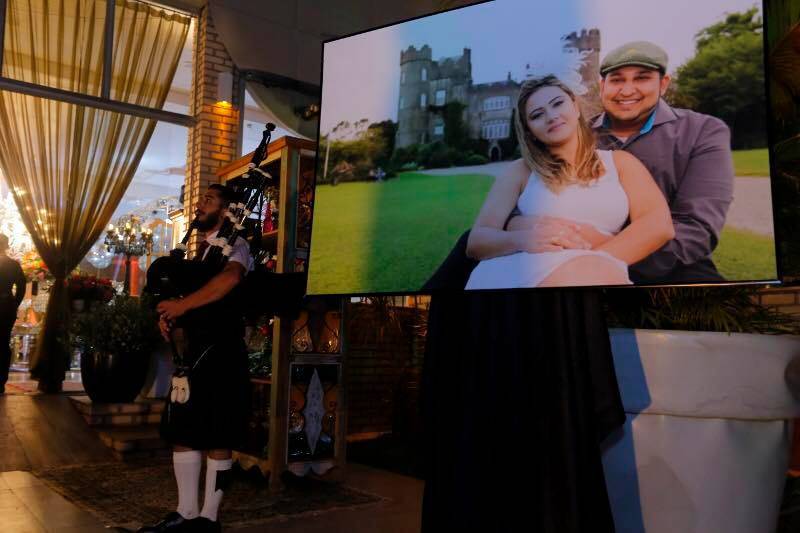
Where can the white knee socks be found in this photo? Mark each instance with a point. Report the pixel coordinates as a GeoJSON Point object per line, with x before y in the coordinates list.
{"type": "Point", "coordinates": [187, 474]}
{"type": "Point", "coordinates": [213, 497]}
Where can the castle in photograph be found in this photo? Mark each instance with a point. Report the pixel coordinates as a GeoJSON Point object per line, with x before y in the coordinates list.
{"type": "Point", "coordinates": [489, 106]}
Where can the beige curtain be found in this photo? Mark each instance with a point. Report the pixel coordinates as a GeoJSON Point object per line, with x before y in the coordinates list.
{"type": "Point", "coordinates": [68, 166]}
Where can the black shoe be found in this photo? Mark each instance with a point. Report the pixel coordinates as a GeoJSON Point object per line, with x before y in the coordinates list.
{"type": "Point", "coordinates": [201, 524]}
{"type": "Point", "coordinates": [172, 523]}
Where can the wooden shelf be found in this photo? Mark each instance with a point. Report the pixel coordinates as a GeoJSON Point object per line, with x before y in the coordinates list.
{"type": "Point", "coordinates": [274, 146]}
{"type": "Point", "coordinates": [290, 162]}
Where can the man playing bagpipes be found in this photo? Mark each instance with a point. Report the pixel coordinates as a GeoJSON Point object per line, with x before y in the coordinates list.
{"type": "Point", "coordinates": [209, 397]}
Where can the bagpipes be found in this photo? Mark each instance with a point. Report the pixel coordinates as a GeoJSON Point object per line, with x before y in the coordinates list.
{"type": "Point", "coordinates": [261, 292]}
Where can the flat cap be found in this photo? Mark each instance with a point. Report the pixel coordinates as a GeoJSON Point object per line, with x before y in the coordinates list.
{"type": "Point", "coordinates": [641, 53]}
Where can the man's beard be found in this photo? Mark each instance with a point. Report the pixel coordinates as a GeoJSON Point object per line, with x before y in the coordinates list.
{"type": "Point", "coordinates": [209, 222]}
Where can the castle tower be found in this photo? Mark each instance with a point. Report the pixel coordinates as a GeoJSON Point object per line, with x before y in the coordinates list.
{"type": "Point", "coordinates": [416, 71]}
{"type": "Point", "coordinates": [587, 41]}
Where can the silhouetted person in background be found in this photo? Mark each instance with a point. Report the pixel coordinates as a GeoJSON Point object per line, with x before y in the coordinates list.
{"type": "Point", "coordinates": [11, 276]}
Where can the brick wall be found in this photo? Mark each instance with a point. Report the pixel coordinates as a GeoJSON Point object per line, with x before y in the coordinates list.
{"type": "Point", "coordinates": [383, 372]}
{"type": "Point", "coordinates": [786, 300]}
{"type": "Point", "coordinates": [383, 376]}
{"type": "Point", "coordinates": [213, 140]}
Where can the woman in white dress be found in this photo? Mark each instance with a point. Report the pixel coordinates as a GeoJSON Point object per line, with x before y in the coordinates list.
{"type": "Point", "coordinates": [565, 183]}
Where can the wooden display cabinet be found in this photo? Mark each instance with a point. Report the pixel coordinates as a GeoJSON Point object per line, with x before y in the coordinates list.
{"type": "Point", "coordinates": [298, 413]}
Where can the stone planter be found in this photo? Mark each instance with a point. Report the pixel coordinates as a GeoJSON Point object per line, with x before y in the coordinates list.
{"type": "Point", "coordinates": [705, 447]}
{"type": "Point", "coordinates": [113, 378]}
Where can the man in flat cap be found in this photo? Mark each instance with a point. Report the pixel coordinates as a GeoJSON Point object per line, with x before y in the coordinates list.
{"type": "Point", "coordinates": [687, 153]}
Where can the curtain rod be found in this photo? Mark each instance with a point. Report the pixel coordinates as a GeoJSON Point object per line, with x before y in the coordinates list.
{"type": "Point", "coordinates": [186, 9]}
{"type": "Point", "coordinates": [42, 91]}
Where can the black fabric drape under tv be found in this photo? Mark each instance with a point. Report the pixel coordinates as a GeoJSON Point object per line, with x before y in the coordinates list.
{"type": "Point", "coordinates": [518, 392]}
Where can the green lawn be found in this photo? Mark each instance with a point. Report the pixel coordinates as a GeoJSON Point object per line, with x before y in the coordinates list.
{"type": "Point", "coordinates": [743, 255]}
{"type": "Point", "coordinates": [751, 162]}
{"type": "Point", "coordinates": [391, 236]}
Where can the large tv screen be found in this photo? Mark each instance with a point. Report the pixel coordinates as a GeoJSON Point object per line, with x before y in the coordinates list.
{"type": "Point", "coordinates": [524, 144]}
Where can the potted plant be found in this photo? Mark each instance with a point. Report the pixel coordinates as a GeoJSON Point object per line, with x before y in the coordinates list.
{"type": "Point", "coordinates": [83, 289]}
{"type": "Point", "coordinates": [116, 341]}
{"type": "Point", "coordinates": [705, 446]}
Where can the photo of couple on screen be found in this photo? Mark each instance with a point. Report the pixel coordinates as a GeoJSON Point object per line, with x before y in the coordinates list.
{"type": "Point", "coordinates": [602, 167]}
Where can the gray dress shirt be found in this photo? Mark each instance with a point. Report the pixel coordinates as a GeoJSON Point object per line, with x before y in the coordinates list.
{"type": "Point", "coordinates": [690, 158]}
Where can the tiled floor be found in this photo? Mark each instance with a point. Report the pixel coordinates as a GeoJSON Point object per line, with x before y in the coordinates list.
{"type": "Point", "coordinates": [28, 506]}
{"type": "Point", "coordinates": [20, 382]}
{"type": "Point", "coordinates": [44, 430]}
{"type": "Point", "coordinates": [37, 431]}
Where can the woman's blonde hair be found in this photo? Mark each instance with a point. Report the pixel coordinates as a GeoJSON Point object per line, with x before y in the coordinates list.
{"type": "Point", "coordinates": [554, 171]}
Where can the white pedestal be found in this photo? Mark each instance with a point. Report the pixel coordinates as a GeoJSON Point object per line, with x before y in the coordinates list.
{"type": "Point", "coordinates": [705, 447]}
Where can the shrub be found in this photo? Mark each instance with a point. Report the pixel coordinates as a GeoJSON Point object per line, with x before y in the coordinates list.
{"type": "Point", "coordinates": [125, 325]}
{"type": "Point", "coordinates": [442, 157]}
{"type": "Point", "coordinates": [476, 159]}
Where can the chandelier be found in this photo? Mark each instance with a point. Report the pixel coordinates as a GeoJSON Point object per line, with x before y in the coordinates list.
{"type": "Point", "coordinates": [129, 237]}
{"type": "Point", "coordinates": [11, 226]}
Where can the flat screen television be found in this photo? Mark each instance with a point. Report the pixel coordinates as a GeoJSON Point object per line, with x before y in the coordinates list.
{"type": "Point", "coordinates": [521, 144]}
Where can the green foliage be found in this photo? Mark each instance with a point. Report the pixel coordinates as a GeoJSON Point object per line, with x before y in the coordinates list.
{"type": "Point", "coordinates": [364, 148]}
{"type": "Point", "coordinates": [725, 78]}
{"type": "Point", "coordinates": [405, 156]}
{"type": "Point", "coordinates": [510, 146]}
{"type": "Point", "coordinates": [724, 309]}
{"type": "Point", "coordinates": [734, 25]}
{"type": "Point", "coordinates": [124, 325]}
{"type": "Point", "coordinates": [383, 133]}
{"type": "Point", "coordinates": [439, 156]}
{"type": "Point", "coordinates": [476, 159]}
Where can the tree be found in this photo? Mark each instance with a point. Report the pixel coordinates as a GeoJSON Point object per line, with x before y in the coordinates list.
{"type": "Point", "coordinates": [384, 131]}
{"type": "Point", "coordinates": [733, 26]}
{"type": "Point", "coordinates": [725, 78]}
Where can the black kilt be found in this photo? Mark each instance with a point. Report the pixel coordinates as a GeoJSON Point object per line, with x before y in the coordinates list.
{"type": "Point", "coordinates": [215, 417]}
